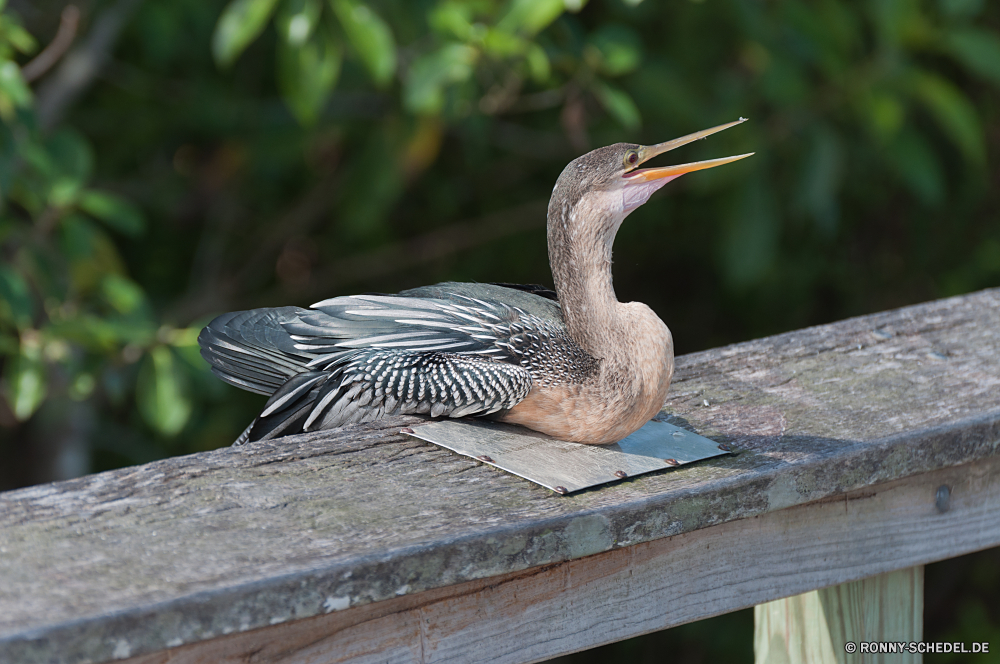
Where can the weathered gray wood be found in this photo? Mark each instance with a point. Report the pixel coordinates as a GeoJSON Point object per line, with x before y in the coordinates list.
{"type": "Point", "coordinates": [815, 627]}
{"type": "Point", "coordinates": [540, 613]}
{"type": "Point", "coordinates": [188, 549]}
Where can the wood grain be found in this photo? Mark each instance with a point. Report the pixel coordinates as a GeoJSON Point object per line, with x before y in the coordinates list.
{"type": "Point", "coordinates": [541, 613]}
{"type": "Point", "coordinates": [814, 627]}
{"type": "Point", "coordinates": [193, 548]}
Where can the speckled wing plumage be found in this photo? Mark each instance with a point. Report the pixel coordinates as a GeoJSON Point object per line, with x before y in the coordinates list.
{"type": "Point", "coordinates": [450, 349]}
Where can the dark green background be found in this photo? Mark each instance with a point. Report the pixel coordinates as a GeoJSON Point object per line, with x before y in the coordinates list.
{"type": "Point", "coordinates": [173, 188]}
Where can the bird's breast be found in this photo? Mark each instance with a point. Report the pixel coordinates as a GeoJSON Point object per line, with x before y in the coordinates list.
{"type": "Point", "coordinates": [627, 390]}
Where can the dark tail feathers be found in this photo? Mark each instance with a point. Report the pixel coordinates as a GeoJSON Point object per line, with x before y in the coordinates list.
{"type": "Point", "coordinates": [252, 350]}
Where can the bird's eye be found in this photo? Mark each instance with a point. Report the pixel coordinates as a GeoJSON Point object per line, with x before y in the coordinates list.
{"type": "Point", "coordinates": [631, 157]}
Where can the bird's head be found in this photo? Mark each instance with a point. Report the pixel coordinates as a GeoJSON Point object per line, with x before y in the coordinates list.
{"type": "Point", "coordinates": [608, 184]}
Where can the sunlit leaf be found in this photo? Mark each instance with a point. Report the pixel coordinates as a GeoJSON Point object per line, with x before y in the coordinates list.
{"type": "Point", "coordinates": [240, 23]}
{"type": "Point", "coordinates": [425, 83]}
{"type": "Point", "coordinates": [25, 380]}
{"type": "Point", "coordinates": [885, 113]}
{"type": "Point", "coordinates": [114, 211]}
{"type": "Point", "coordinates": [15, 298]}
{"type": "Point", "coordinates": [954, 113]}
{"type": "Point", "coordinates": [122, 293]}
{"type": "Point", "coordinates": [979, 50]}
{"type": "Point", "coordinates": [18, 37]}
{"type": "Point", "coordinates": [538, 64]}
{"type": "Point", "coordinates": [503, 44]}
{"type": "Point", "coordinates": [162, 392]}
{"type": "Point", "coordinates": [370, 37]}
{"type": "Point", "coordinates": [82, 386]}
{"type": "Point", "coordinates": [619, 104]}
{"type": "Point", "coordinates": [619, 48]}
{"type": "Point", "coordinates": [452, 19]}
{"type": "Point", "coordinates": [307, 74]}
{"type": "Point", "coordinates": [297, 19]}
{"type": "Point", "coordinates": [103, 335]}
{"type": "Point", "coordinates": [531, 16]}
{"type": "Point", "coordinates": [63, 191]}
{"type": "Point", "coordinates": [14, 92]}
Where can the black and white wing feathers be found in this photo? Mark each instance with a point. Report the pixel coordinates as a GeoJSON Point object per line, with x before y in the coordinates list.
{"type": "Point", "coordinates": [450, 349]}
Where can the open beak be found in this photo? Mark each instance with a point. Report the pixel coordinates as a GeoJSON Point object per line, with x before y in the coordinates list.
{"type": "Point", "coordinates": [648, 152]}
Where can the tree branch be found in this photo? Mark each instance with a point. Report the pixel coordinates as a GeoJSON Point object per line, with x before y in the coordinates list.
{"type": "Point", "coordinates": [69, 21]}
{"type": "Point", "coordinates": [81, 65]}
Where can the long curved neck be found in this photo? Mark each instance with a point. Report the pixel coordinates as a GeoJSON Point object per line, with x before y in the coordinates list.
{"type": "Point", "coordinates": [580, 235]}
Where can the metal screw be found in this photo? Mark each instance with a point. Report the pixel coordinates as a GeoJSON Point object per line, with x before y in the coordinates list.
{"type": "Point", "coordinates": [942, 498]}
{"type": "Point", "coordinates": [406, 430]}
{"type": "Point", "coordinates": [485, 458]}
{"type": "Point", "coordinates": [621, 474]}
{"type": "Point", "coordinates": [672, 462]}
{"type": "Point", "coordinates": [561, 490]}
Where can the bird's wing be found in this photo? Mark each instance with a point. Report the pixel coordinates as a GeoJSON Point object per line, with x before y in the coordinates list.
{"type": "Point", "coordinates": [370, 384]}
{"type": "Point", "coordinates": [450, 349]}
{"type": "Point", "coordinates": [448, 322]}
{"type": "Point", "coordinates": [533, 289]}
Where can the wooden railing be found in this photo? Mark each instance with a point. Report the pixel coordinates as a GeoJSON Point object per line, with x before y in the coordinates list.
{"type": "Point", "coordinates": [866, 447]}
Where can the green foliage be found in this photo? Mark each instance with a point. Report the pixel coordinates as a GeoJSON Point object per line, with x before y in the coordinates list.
{"type": "Point", "coordinates": [14, 93]}
{"type": "Point", "coordinates": [371, 38]}
{"type": "Point", "coordinates": [240, 23]}
{"type": "Point", "coordinates": [242, 153]}
{"type": "Point", "coordinates": [164, 398]}
{"type": "Point", "coordinates": [307, 73]}
{"type": "Point", "coordinates": [67, 306]}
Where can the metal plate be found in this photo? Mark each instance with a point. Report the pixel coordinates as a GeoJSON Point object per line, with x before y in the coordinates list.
{"type": "Point", "coordinates": [568, 467]}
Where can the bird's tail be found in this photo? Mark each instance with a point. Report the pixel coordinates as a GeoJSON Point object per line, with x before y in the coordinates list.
{"type": "Point", "coordinates": [252, 350]}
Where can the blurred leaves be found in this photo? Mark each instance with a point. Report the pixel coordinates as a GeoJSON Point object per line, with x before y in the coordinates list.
{"type": "Point", "coordinates": [241, 153]}
{"type": "Point", "coordinates": [370, 36]}
{"type": "Point", "coordinates": [163, 396]}
{"type": "Point", "coordinates": [16, 304]}
{"type": "Point", "coordinates": [14, 39]}
{"type": "Point", "coordinates": [236, 153]}
{"type": "Point", "coordinates": [978, 50]}
{"type": "Point", "coordinates": [116, 212]}
{"type": "Point", "coordinates": [25, 381]}
{"type": "Point", "coordinates": [307, 74]}
{"type": "Point", "coordinates": [954, 113]}
{"type": "Point", "coordinates": [618, 48]}
{"type": "Point", "coordinates": [430, 74]}
{"type": "Point", "coordinates": [619, 104]}
{"type": "Point", "coordinates": [241, 22]}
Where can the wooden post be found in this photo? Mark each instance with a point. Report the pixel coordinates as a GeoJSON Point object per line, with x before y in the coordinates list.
{"type": "Point", "coordinates": [816, 627]}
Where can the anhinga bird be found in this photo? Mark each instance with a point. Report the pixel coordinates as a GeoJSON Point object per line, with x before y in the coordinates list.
{"type": "Point", "coordinates": [586, 368]}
